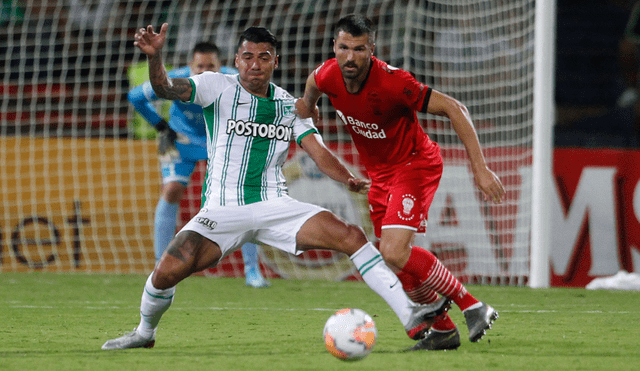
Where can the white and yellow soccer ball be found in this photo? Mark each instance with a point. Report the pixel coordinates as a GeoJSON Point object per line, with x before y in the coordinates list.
{"type": "Point", "coordinates": [350, 334]}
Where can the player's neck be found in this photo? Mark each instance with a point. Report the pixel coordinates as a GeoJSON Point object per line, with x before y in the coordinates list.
{"type": "Point", "coordinates": [353, 85]}
{"type": "Point", "coordinates": [259, 90]}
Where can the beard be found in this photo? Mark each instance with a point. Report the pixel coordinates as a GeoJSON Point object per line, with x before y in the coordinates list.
{"type": "Point", "coordinates": [351, 71]}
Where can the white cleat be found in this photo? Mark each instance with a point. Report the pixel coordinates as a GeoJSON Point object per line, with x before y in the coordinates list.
{"type": "Point", "coordinates": [129, 341]}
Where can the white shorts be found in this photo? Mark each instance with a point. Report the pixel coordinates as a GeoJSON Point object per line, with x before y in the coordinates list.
{"type": "Point", "coordinates": [273, 222]}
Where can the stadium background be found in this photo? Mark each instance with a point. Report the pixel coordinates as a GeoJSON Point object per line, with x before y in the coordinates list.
{"type": "Point", "coordinates": [79, 176]}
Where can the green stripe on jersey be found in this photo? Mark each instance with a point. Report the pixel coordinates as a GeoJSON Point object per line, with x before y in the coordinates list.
{"type": "Point", "coordinates": [265, 114]}
{"type": "Point", "coordinates": [228, 147]}
{"type": "Point", "coordinates": [212, 122]}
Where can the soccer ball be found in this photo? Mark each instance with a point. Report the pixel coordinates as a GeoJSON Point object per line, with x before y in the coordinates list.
{"type": "Point", "coordinates": [350, 334]}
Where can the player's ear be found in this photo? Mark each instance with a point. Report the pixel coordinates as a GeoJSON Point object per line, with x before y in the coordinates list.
{"type": "Point", "coordinates": [236, 60]}
{"type": "Point", "coordinates": [334, 46]}
{"type": "Point", "coordinates": [276, 62]}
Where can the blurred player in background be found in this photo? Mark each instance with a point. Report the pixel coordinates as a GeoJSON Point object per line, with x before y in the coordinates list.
{"type": "Point", "coordinates": [250, 124]}
{"type": "Point", "coordinates": [378, 105]}
{"type": "Point", "coordinates": [181, 144]}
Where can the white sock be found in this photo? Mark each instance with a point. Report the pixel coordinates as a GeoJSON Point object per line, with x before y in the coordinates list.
{"type": "Point", "coordinates": [382, 280]}
{"type": "Point", "coordinates": [153, 304]}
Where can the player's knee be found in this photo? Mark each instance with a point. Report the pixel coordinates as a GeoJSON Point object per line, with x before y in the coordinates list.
{"type": "Point", "coordinates": [179, 260]}
{"type": "Point", "coordinates": [163, 277]}
{"type": "Point", "coordinates": [393, 255]}
{"type": "Point", "coordinates": [354, 239]}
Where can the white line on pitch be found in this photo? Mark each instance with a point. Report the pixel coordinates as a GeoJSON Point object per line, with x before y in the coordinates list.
{"type": "Point", "coordinates": [502, 311]}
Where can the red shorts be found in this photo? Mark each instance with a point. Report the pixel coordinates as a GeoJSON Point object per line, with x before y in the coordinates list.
{"type": "Point", "coordinates": [403, 199]}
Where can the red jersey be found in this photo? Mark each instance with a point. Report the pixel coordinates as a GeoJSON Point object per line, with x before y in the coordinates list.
{"type": "Point", "coordinates": [381, 117]}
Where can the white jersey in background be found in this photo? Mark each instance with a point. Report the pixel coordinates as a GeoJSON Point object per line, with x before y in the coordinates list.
{"type": "Point", "coordinates": [247, 139]}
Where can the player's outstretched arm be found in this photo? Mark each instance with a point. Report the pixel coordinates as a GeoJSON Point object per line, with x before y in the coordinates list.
{"type": "Point", "coordinates": [306, 106]}
{"type": "Point", "coordinates": [329, 164]}
{"type": "Point", "coordinates": [143, 104]}
{"type": "Point", "coordinates": [486, 180]}
{"type": "Point", "coordinates": [151, 43]}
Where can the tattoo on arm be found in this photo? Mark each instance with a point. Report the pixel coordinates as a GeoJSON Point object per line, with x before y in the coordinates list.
{"type": "Point", "coordinates": [165, 87]}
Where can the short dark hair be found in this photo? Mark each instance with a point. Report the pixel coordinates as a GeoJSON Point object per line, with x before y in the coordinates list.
{"type": "Point", "coordinates": [356, 25]}
{"type": "Point", "coordinates": [206, 47]}
{"type": "Point", "coordinates": [258, 35]}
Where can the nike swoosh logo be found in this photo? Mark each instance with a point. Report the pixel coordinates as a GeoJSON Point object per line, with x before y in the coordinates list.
{"type": "Point", "coordinates": [394, 285]}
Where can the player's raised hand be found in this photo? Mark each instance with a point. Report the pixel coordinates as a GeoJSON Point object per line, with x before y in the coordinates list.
{"type": "Point", "coordinates": [150, 42]}
{"type": "Point", "coordinates": [359, 185]}
{"type": "Point", "coordinates": [490, 185]}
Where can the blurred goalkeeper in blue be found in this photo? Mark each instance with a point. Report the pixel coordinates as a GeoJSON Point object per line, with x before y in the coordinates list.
{"type": "Point", "coordinates": [181, 144]}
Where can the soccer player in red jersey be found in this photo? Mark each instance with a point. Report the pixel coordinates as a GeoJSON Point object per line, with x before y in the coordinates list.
{"type": "Point", "coordinates": [378, 105]}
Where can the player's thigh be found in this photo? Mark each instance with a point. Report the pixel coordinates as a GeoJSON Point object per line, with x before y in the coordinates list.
{"type": "Point", "coordinates": [279, 221]}
{"type": "Point", "coordinates": [294, 226]}
{"type": "Point", "coordinates": [227, 227]}
{"type": "Point", "coordinates": [188, 252]}
{"type": "Point", "coordinates": [325, 230]}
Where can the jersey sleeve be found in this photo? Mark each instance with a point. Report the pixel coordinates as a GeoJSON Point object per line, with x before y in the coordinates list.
{"type": "Point", "coordinates": [206, 87]}
{"type": "Point", "coordinates": [320, 74]}
{"type": "Point", "coordinates": [302, 128]}
{"type": "Point", "coordinates": [411, 91]}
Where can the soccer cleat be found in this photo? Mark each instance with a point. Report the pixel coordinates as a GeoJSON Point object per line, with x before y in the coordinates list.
{"type": "Point", "coordinates": [253, 278]}
{"type": "Point", "coordinates": [439, 340]}
{"type": "Point", "coordinates": [128, 341]}
{"type": "Point", "coordinates": [479, 320]}
{"type": "Point", "coordinates": [424, 315]}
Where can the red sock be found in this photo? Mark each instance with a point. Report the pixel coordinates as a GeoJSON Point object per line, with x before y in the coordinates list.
{"type": "Point", "coordinates": [415, 290]}
{"type": "Point", "coordinates": [444, 324]}
{"type": "Point", "coordinates": [429, 271]}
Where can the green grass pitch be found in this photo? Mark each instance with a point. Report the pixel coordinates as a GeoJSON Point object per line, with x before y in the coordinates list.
{"type": "Point", "coordinates": [59, 321]}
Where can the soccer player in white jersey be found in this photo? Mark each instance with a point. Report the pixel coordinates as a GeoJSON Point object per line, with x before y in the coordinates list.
{"type": "Point", "coordinates": [182, 142]}
{"type": "Point", "coordinates": [250, 122]}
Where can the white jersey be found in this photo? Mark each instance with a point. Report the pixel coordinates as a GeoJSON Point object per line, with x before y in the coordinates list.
{"type": "Point", "coordinates": [247, 139]}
